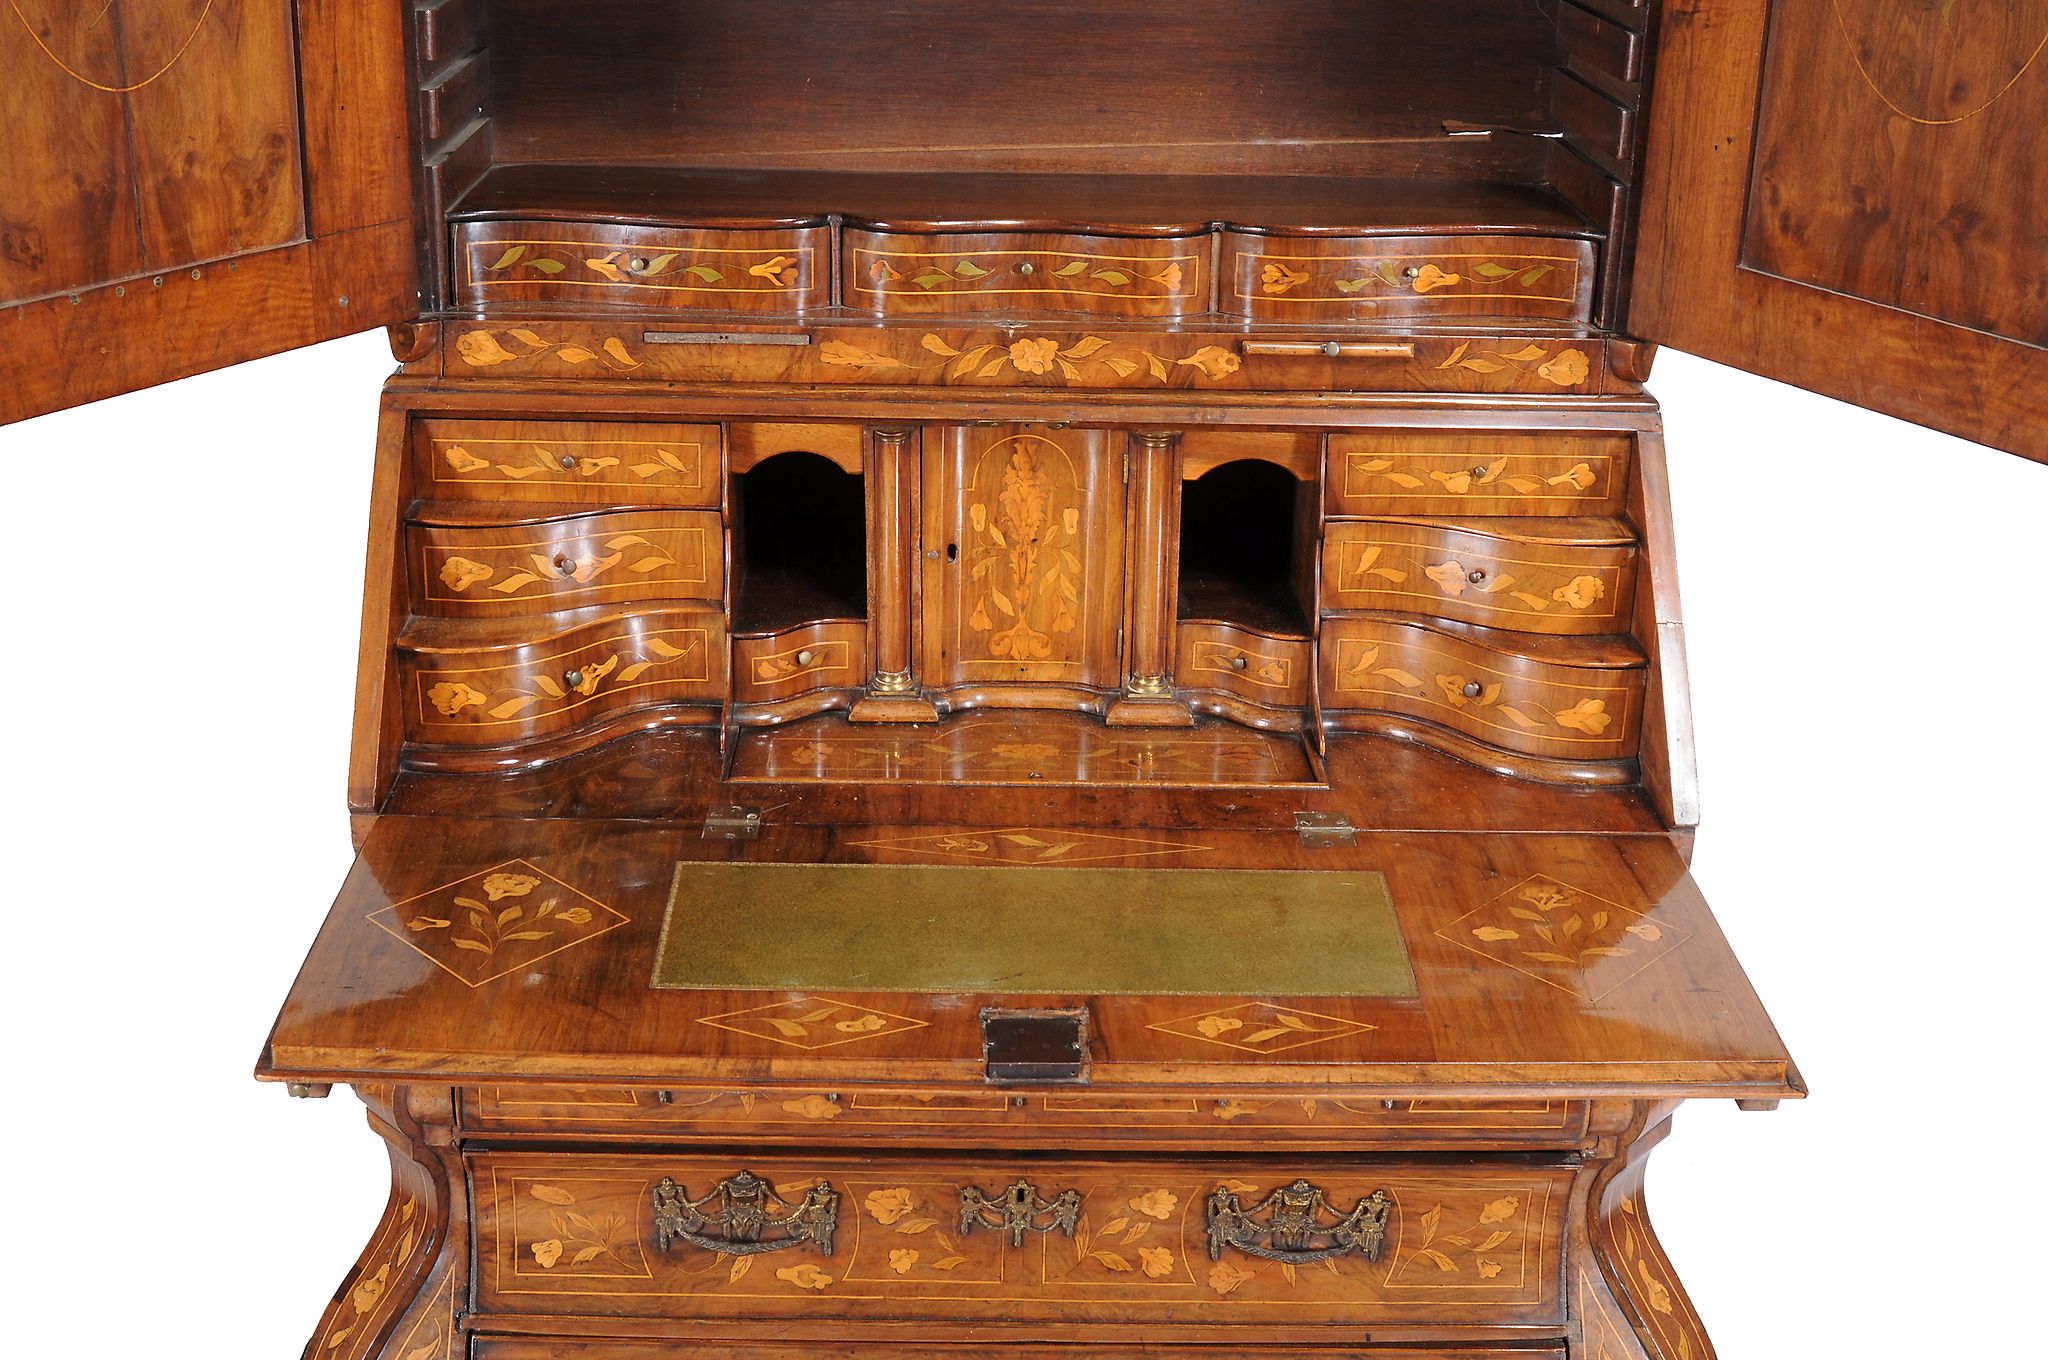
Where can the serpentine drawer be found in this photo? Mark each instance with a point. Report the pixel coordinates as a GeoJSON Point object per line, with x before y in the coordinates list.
{"type": "Point", "coordinates": [1533, 575]}
{"type": "Point", "coordinates": [1025, 274]}
{"type": "Point", "coordinates": [779, 269]}
{"type": "Point", "coordinates": [1359, 278]}
{"type": "Point", "coordinates": [1307, 1244]}
{"type": "Point", "coordinates": [626, 557]}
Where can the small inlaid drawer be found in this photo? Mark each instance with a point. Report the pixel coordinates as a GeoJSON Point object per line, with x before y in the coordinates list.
{"type": "Point", "coordinates": [831, 655]}
{"type": "Point", "coordinates": [784, 269]}
{"type": "Point", "coordinates": [1014, 1119]}
{"type": "Point", "coordinates": [628, 557]}
{"type": "Point", "coordinates": [1209, 1241]}
{"type": "Point", "coordinates": [579, 462]}
{"type": "Point", "coordinates": [1535, 575]}
{"type": "Point", "coordinates": [1477, 473]}
{"type": "Point", "coordinates": [1576, 704]}
{"type": "Point", "coordinates": [1352, 278]}
{"type": "Point", "coordinates": [459, 692]}
{"type": "Point", "coordinates": [1025, 274]}
{"type": "Point", "coordinates": [1255, 666]}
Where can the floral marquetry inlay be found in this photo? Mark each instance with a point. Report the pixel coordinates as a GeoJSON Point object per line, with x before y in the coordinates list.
{"type": "Point", "coordinates": [1038, 357]}
{"type": "Point", "coordinates": [497, 921]}
{"type": "Point", "coordinates": [1498, 277]}
{"type": "Point", "coordinates": [813, 1022]}
{"type": "Point", "coordinates": [600, 265]}
{"type": "Point", "coordinates": [1027, 272]}
{"type": "Point", "coordinates": [1262, 1027]}
{"type": "Point", "coordinates": [1028, 845]}
{"type": "Point", "coordinates": [1565, 936]}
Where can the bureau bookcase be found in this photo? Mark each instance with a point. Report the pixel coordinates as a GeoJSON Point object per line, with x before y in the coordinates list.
{"type": "Point", "coordinates": [1022, 687]}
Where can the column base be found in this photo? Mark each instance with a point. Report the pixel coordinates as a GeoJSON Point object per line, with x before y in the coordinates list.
{"type": "Point", "coordinates": [1141, 709]}
{"type": "Point", "coordinates": [893, 708]}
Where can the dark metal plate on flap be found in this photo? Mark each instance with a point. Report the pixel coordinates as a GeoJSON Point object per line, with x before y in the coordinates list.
{"type": "Point", "coordinates": [1034, 1046]}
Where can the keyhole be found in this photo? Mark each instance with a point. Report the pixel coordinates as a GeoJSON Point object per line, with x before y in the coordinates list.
{"type": "Point", "coordinates": [952, 552]}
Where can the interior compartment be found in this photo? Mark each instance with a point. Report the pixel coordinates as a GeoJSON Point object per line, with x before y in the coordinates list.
{"type": "Point", "coordinates": [1247, 545]}
{"type": "Point", "coordinates": [1291, 115]}
{"type": "Point", "coordinates": [799, 544]}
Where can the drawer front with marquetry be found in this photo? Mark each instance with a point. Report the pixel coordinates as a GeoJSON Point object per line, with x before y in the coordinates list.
{"type": "Point", "coordinates": [577, 462]}
{"type": "Point", "coordinates": [784, 269]}
{"type": "Point", "coordinates": [1506, 576]}
{"type": "Point", "coordinates": [820, 1238]}
{"type": "Point", "coordinates": [1356, 278]}
{"type": "Point", "coordinates": [628, 557]}
{"type": "Point", "coordinates": [1477, 473]}
{"type": "Point", "coordinates": [457, 695]}
{"type": "Point", "coordinates": [1251, 665]}
{"type": "Point", "coordinates": [1026, 274]}
{"type": "Point", "coordinates": [817, 656]}
{"type": "Point", "coordinates": [1028, 1120]}
{"type": "Point", "coordinates": [1536, 707]}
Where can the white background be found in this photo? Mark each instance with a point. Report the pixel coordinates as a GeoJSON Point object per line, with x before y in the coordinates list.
{"type": "Point", "coordinates": [1864, 603]}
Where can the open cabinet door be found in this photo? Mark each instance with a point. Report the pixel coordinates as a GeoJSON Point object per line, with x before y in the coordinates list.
{"type": "Point", "coordinates": [1852, 195]}
{"type": "Point", "coordinates": [192, 183]}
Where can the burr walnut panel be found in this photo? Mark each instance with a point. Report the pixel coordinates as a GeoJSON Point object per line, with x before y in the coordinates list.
{"type": "Point", "coordinates": [1352, 278]}
{"type": "Point", "coordinates": [1125, 1243]}
{"type": "Point", "coordinates": [1536, 707]}
{"type": "Point", "coordinates": [577, 462]}
{"type": "Point", "coordinates": [459, 692]}
{"type": "Point", "coordinates": [513, 263]}
{"type": "Point", "coordinates": [1560, 576]}
{"type": "Point", "coordinates": [1477, 473]}
{"type": "Point", "coordinates": [1025, 273]}
{"type": "Point", "coordinates": [620, 558]}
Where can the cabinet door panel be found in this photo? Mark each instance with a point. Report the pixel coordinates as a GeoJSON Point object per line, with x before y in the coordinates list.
{"type": "Point", "coordinates": [1860, 210]}
{"type": "Point", "coordinates": [1024, 530]}
{"type": "Point", "coordinates": [171, 206]}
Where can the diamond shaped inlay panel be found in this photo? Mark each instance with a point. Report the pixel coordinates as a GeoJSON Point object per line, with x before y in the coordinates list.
{"type": "Point", "coordinates": [1262, 1027]}
{"type": "Point", "coordinates": [813, 1022]}
{"type": "Point", "coordinates": [1565, 936]}
{"type": "Point", "coordinates": [497, 921]}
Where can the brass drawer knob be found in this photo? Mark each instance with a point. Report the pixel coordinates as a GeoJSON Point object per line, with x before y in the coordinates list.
{"type": "Point", "coordinates": [573, 679]}
{"type": "Point", "coordinates": [567, 461]}
{"type": "Point", "coordinates": [1238, 662]}
{"type": "Point", "coordinates": [1027, 268]}
{"type": "Point", "coordinates": [1413, 271]}
{"type": "Point", "coordinates": [805, 658]}
{"type": "Point", "coordinates": [638, 264]}
{"type": "Point", "coordinates": [1473, 689]}
{"type": "Point", "coordinates": [565, 565]}
{"type": "Point", "coordinates": [1476, 575]}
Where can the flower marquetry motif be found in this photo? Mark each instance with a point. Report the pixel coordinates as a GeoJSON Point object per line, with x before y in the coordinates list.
{"type": "Point", "coordinates": [812, 1022]}
{"type": "Point", "coordinates": [1565, 936]}
{"type": "Point", "coordinates": [496, 921]}
{"type": "Point", "coordinates": [1262, 1027]}
{"type": "Point", "coordinates": [1028, 845]}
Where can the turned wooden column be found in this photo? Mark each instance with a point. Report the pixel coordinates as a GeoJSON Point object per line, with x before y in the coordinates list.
{"type": "Point", "coordinates": [894, 694]}
{"type": "Point", "coordinates": [1153, 499]}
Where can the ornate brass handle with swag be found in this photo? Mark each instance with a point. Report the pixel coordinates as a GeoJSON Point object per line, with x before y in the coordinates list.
{"type": "Point", "coordinates": [1019, 1210]}
{"type": "Point", "coordinates": [1294, 1227]}
{"type": "Point", "coordinates": [743, 1216]}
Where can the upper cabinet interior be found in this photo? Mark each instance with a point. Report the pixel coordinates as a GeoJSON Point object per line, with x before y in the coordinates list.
{"type": "Point", "coordinates": [1293, 162]}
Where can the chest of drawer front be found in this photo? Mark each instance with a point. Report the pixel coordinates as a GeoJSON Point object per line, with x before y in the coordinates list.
{"type": "Point", "coordinates": [782, 270]}
{"type": "Point", "coordinates": [1251, 665]}
{"type": "Point", "coordinates": [573, 462]}
{"type": "Point", "coordinates": [1538, 708]}
{"type": "Point", "coordinates": [630, 557]}
{"type": "Point", "coordinates": [1477, 473]}
{"type": "Point", "coordinates": [1026, 274]}
{"type": "Point", "coordinates": [1358, 278]}
{"type": "Point", "coordinates": [830, 655]}
{"type": "Point", "coordinates": [493, 696]}
{"type": "Point", "coordinates": [1308, 1244]}
{"type": "Point", "coordinates": [1522, 581]}
{"type": "Point", "coordinates": [1019, 1119]}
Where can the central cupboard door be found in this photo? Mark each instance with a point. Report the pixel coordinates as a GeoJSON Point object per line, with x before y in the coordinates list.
{"type": "Point", "coordinates": [1024, 557]}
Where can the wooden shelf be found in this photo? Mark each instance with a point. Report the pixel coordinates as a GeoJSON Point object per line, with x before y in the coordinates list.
{"type": "Point", "coordinates": [1125, 205]}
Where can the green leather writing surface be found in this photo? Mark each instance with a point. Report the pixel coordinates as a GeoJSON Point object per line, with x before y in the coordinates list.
{"type": "Point", "coordinates": [1107, 932]}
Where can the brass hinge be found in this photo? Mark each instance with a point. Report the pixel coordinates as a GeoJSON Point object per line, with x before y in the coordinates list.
{"type": "Point", "coordinates": [733, 823]}
{"type": "Point", "coordinates": [1318, 829]}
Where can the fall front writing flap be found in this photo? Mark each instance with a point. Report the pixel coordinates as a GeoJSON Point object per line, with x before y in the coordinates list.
{"type": "Point", "coordinates": [194, 183]}
{"type": "Point", "coordinates": [1850, 195]}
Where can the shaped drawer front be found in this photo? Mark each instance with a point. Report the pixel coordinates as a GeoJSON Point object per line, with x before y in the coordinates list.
{"type": "Point", "coordinates": [641, 1237]}
{"type": "Point", "coordinates": [997, 1118]}
{"type": "Point", "coordinates": [629, 557]}
{"type": "Point", "coordinates": [831, 655]}
{"type": "Point", "coordinates": [493, 696]}
{"type": "Point", "coordinates": [1254, 666]}
{"type": "Point", "coordinates": [1539, 708]}
{"type": "Point", "coordinates": [1352, 278]}
{"type": "Point", "coordinates": [785, 269]}
{"type": "Point", "coordinates": [1477, 473]}
{"type": "Point", "coordinates": [1519, 580]}
{"type": "Point", "coordinates": [1025, 274]}
{"type": "Point", "coordinates": [579, 462]}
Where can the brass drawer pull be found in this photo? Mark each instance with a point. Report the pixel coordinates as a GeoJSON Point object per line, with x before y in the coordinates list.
{"type": "Point", "coordinates": [743, 1216]}
{"type": "Point", "coordinates": [1019, 1210]}
{"type": "Point", "coordinates": [1330, 349]}
{"type": "Point", "coordinates": [1293, 1230]}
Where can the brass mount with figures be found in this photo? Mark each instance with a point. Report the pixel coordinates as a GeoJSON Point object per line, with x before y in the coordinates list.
{"type": "Point", "coordinates": [1294, 1228]}
{"type": "Point", "coordinates": [743, 1215]}
{"type": "Point", "coordinates": [1019, 1210]}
